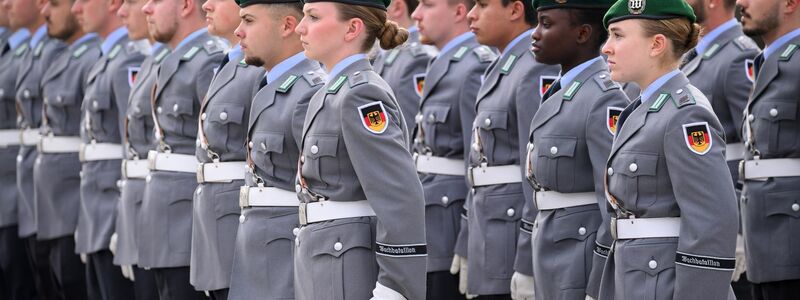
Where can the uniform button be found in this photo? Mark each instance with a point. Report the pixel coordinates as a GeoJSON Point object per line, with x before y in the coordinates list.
{"type": "Point", "coordinates": [314, 149]}
{"type": "Point", "coordinates": [582, 230]}
{"type": "Point", "coordinates": [773, 112]}
{"type": "Point", "coordinates": [2, 92]}
{"type": "Point", "coordinates": [263, 146]}
{"type": "Point", "coordinates": [356, 73]}
{"type": "Point", "coordinates": [633, 167]}
{"type": "Point", "coordinates": [610, 171]}
{"type": "Point", "coordinates": [510, 212]}
{"type": "Point", "coordinates": [652, 264]}
{"type": "Point", "coordinates": [26, 93]}
{"type": "Point", "coordinates": [417, 140]}
{"type": "Point", "coordinates": [119, 184]}
{"type": "Point", "coordinates": [94, 104]}
{"type": "Point", "coordinates": [59, 99]}
{"type": "Point", "coordinates": [553, 150]}
{"type": "Point", "coordinates": [602, 76]}
{"type": "Point", "coordinates": [199, 190]}
{"type": "Point", "coordinates": [80, 174]}
{"type": "Point", "coordinates": [487, 122]}
{"type": "Point", "coordinates": [337, 246]}
{"type": "Point", "coordinates": [19, 158]}
{"type": "Point", "coordinates": [418, 118]}
{"type": "Point", "coordinates": [296, 231]}
{"type": "Point", "coordinates": [297, 188]}
{"type": "Point", "coordinates": [296, 242]}
{"type": "Point", "coordinates": [136, 109]}
{"type": "Point", "coordinates": [203, 116]}
{"type": "Point", "coordinates": [302, 159]}
{"type": "Point", "coordinates": [223, 116]}
{"type": "Point", "coordinates": [750, 117]}
{"type": "Point", "coordinates": [679, 91]}
{"type": "Point", "coordinates": [159, 110]}
{"type": "Point", "coordinates": [147, 178]}
{"type": "Point", "coordinates": [175, 107]}
{"type": "Point", "coordinates": [445, 199]}
{"type": "Point", "coordinates": [250, 144]}
{"type": "Point", "coordinates": [795, 207]}
{"type": "Point", "coordinates": [241, 219]}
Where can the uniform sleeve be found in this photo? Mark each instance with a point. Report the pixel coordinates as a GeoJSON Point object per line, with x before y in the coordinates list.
{"type": "Point", "coordinates": [703, 189]}
{"type": "Point", "coordinates": [407, 96]}
{"type": "Point", "coordinates": [121, 87]}
{"type": "Point", "coordinates": [387, 175]}
{"type": "Point", "coordinates": [737, 87]}
{"type": "Point", "coordinates": [599, 139]}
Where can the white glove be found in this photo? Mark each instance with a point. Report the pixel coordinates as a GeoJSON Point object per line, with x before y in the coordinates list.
{"type": "Point", "coordinates": [589, 297]}
{"type": "Point", "coordinates": [522, 287]}
{"type": "Point", "coordinates": [741, 261]}
{"type": "Point", "coordinates": [381, 292]}
{"type": "Point", "coordinates": [130, 272]}
{"type": "Point", "coordinates": [459, 266]}
{"type": "Point", "coordinates": [112, 245]}
{"type": "Point", "coordinates": [125, 271]}
{"type": "Point", "coordinates": [84, 258]}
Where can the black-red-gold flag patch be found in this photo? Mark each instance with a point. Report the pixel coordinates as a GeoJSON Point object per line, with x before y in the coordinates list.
{"type": "Point", "coordinates": [419, 83]}
{"type": "Point", "coordinates": [373, 117]}
{"type": "Point", "coordinates": [544, 84]}
{"type": "Point", "coordinates": [132, 72]}
{"type": "Point", "coordinates": [698, 137]}
{"type": "Point", "coordinates": [612, 117]}
{"type": "Point", "coordinates": [749, 69]}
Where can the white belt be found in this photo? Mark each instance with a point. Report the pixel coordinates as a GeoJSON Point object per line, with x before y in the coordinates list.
{"type": "Point", "coordinates": [267, 196]}
{"type": "Point", "coordinates": [135, 168]}
{"type": "Point", "coordinates": [439, 165]}
{"type": "Point", "coordinates": [29, 137]}
{"type": "Point", "coordinates": [481, 176]}
{"type": "Point", "coordinates": [100, 151]}
{"type": "Point", "coordinates": [160, 161]}
{"type": "Point", "coordinates": [734, 151]}
{"type": "Point", "coordinates": [59, 144]}
{"type": "Point", "coordinates": [331, 210]}
{"type": "Point", "coordinates": [548, 200]}
{"type": "Point", "coordinates": [775, 167]}
{"type": "Point", "coordinates": [221, 171]}
{"type": "Point", "coordinates": [9, 137]}
{"type": "Point", "coordinates": [642, 228]}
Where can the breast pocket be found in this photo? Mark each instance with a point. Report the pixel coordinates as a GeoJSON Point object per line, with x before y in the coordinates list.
{"type": "Point", "coordinates": [59, 103]}
{"type": "Point", "coordinates": [634, 180]}
{"type": "Point", "coordinates": [224, 127]}
{"type": "Point", "coordinates": [178, 116]}
{"type": "Point", "coordinates": [503, 213]}
{"type": "Point", "coordinates": [493, 126]}
{"type": "Point", "coordinates": [320, 158]}
{"type": "Point", "coordinates": [647, 270]}
{"type": "Point", "coordinates": [779, 129]}
{"type": "Point", "coordinates": [137, 123]}
{"type": "Point", "coordinates": [97, 106]}
{"type": "Point", "coordinates": [267, 147]}
{"type": "Point", "coordinates": [342, 260]}
{"type": "Point", "coordinates": [553, 165]}
{"type": "Point", "coordinates": [784, 221]}
{"type": "Point", "coordinates": [434, 121]}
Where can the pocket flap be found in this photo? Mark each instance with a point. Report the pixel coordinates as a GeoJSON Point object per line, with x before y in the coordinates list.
{"type": "Point", "coordinates": [507, 207]}
{"type": "Point", "coordinates": [179, 107]}
{"type": "Point", "coordinates": [557, 146]}
{"type": "Point", "coordinates": [577, 225]}
{"type": "Point", "coordinates": [268, 142]}
{"type": "Point", "coordinates": [99, 102]}
{"type": "Point", "coordinates": [649, 258]}
{"type": "Point", "coordinates": [225, 113]}
{"type": "Point", "coordinates": [62, 98]}
{"type": "Point", "coordinates": [492, 119]}
{"type": "Point", "coordinates": [437, 114]}
{"type": "Point", "coordinates": [783, 203]}
{"type": "Point", "coordinates": [337, 239]}
{"type": "Point", "coordinates": [776, 111]}
{"type": "Point", "coordinates": [636, 164]}
{"type": "Point", "coordinates": [318, 146]}
{"type": "Point", "coordinates": [445, 192]}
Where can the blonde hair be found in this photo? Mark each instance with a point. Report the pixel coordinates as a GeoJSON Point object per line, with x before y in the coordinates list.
{"type": "Point", "coordinates": [683, 34]}
{"type": "Point", "coordinates": [377, 26]}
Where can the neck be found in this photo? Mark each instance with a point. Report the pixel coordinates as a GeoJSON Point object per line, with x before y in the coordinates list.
{"type": "Point", "coordinates": [35, 25]}
{"type": "Point", "coordinates": [74, 37]}
{"type": "Point", "coordinates": [405, 22]}
{"type": "Point", "coordinates": [458, 29]}
{"type": "Point", "coordinates": [185, 28]}
{"type": "Point", "coordinates": [648, 79]}
{"type": "Point", "coordinates": [713, 22]}
{"type": "Point", "coordinates": [517, 29]}
{"type": "Point", "coordinates": [231, 38]}
{"type": "Point", "coordinates": [111, 24]}
{"type": "Point", "coordinates": [584, 55]}
{"type": "Point", "coordinates": [786, 26]}
{"type": "Point", "coordinates": [335, 58]}
{"type": "Point", "coordinates": [288, 51]}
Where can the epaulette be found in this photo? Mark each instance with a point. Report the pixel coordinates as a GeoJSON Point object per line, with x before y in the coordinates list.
{"type": "Point", "coordinates": [417, 50]}
{"type": "Point", "coordinates": [604, 81]}
{"type": "Point", "coordinates": [188, 55]}
{"type": "Point", "coordinates": [391, 57]}
{"type": "Point", "coordinates": [508, 65]}
{"type": "Point", "coordinates": [358, 78]}
{"type": "Point", "coordinates": [711, 51]}
{"type": "Point", "coordinates": [38, 50]}
{"type": "Point", "coordinates": [788, 52]}
{"type": "Point", "coordinates": [163, 53]}
{"type": "Point", "coordinates": [460, 53]}
{"type": "Point", "coordinates": [213, 46]}
{"type": "Point", "coordinates": [484, 54]}
{"type": "Point", "coordinates": [287, 84]}
{"type": "Point", "coordinates": [337, 84]}
{"type": "Point", "coordinates": [572, 90]}
{"type": "Point", "coordinates": [659, 102]}
{"type": "Point", "coordinates": [21, 49]}
{"type": "Point", "coordinates": [114, 52]}
{"type": "Point", "coordinates": [314, 78]}
{"type": "Point", "coordinates": [80, 51]}
{"type": "Point", "coordinates": [683, 97]}
{"type": "Point", "coordinates": [745, 43]}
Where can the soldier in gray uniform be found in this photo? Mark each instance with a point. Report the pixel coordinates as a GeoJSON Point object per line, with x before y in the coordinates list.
{"type": "Point", "coordinates": [105, 102]}
{"type": "Point", "coordinates": [570, 139]}
{"type": "Point", "coordinates": [442, 133]}
{"type": "Point", "coordinates": [771, 170]}
{"type": "Point", "coordinates": [404, 67]}
{"type": "Point", "coordinates": [165, 220]}
{"type": "Point", "coordinates": [56, 172]}
{"type": "Point", "coordinates": [507, 100]}
{"type": "Point", "coordinates": [362, 205]}
{"type": "Point", "coordinates": [221, 153]}
{"type": "Point", "coordinates": [264, 251]}
{"type": "Point", "coordinates": [674, 218]}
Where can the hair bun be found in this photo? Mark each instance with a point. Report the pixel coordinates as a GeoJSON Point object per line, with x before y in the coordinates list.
{"type": "Point", "coordinates": [392, 35]}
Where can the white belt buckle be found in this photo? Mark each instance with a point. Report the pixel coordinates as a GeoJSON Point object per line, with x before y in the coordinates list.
{"type": "Point", "coordinates": [302, 213]}
{"type": "Point", "coordinates": [200, 173]}
{"type": "Point", "coordinates": [244, 196]}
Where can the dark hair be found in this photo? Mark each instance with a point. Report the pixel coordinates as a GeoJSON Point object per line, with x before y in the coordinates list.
{"type": "Point", "coordinates": [411, 5]}
{"type": "Point", "coordinates": [294, 9]}
{"type": "Point", "coordinates": [377, 26]}
{"type": "Point", "coordinates": [683, 33]}
{"type": "Point", "coordinates": [530, 12]}
{"type": "Point", "coordinates": [468, 3]}
{"type": "Point", "coordinates": [593, 18]}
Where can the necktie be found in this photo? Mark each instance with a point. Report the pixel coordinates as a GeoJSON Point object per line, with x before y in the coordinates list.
{"type": "Point", "coordinates": [757, 63]}
{"type": "Point", "coordinates": [555, 87]}
{"type": "Point", "coordinates": [263, 83]}
{"type": "Point", "coordinates": [225, 60]}
{"type": "Point", "coordinates": [627, 112]}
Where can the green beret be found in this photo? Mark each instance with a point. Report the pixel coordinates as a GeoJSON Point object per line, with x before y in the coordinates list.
{"type": "Point", "coordinates": [575, 4]}
{"type": "Point", "coordinates": [245, 3]}
{"type": "Point", "coordinates": [381, 4]}
{"type": "Point", "coordinates": [649, 9]}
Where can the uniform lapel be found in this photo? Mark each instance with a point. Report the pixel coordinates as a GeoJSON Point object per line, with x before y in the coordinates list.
{"type": "Point", "coordinates": [165, 71]}
{"type": "Point", "coordinates": [226, 74]}
{"type": "Point", "coordinates": [552, 106]}
{"type": "Point", "coordinates": [769, 70]}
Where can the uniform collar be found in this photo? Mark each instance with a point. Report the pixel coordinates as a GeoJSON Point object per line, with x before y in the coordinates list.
{"type": "Point", "coordinates": [456, 41]}
{"type": "Point", "coordinates": [713, 35]}
{"type": "Point", "coordinates": [156, 47]}
{"type": "Point", "coordinates": [18, 37]}
{"type": "Point", "coordinates": [412, 29]}
{"type": "Point", "coordinates": [568, 77]}
{"type": "Point", "coordinates": [85, 38]}
{"type": "Point", "coordinates": [3, 30]}
{"type": "Point", "coordinates": [345, 63]}
{"type": "Point", "coordinates": [112, 39]}
{"type": "Point", "coordinates": [191, 36]}
{"type": "Point", "coordinates": [657, 84]}
{"type": "Point", "coordinates": [38, 35]}
{"type": "Point", "coordinates": [235, 52]}
{"type": "Point", "coordinates": [284, 66]}
{"type": "Point", "coordinates": [516, 41]}
{"type": "Point", "coordinates": [778, 44]}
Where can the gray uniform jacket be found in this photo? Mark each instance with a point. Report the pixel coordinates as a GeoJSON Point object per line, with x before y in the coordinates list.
{"type": "Point", "coordinates": [264, 255]}
{"type": "Point", "coordinates": [165, 219]}
{"type": "Point", "coordinates": [507, 100]}
{"type": "Point", "coordinates": [343, 160]}
{"type": "Point", "coordinates": [570, 139]}
{"type": "Point", "coordinates": [443, 130]}
{"type": "Point", "coordinates": [721, 73]}
{"type": "Point", "coordinates": [770, 208]}
{"type": "Point", "coordinates": [4, 39]}
{"type": "Point", "coordinates": [57, 175]}
{"type": "Point", "coordinates": [33, 65]}
{"type": "Point", "coordinates": [403, 68]}
{"type": "Point", "coordinates": [667, 161]}
{"type": "Point", "coordinates": [215, 219]}
{"type": "Point", "coordinates": [138, 138]}
{"type": "Point", "coordinates": [104, 105]}
{"type": "Point", "coordinates": [9, 64]}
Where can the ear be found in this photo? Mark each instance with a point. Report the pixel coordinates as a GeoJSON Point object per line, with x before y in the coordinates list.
{"type": "Point", "coordinates": [113, 6]}
{"type": "Point", "coordinates": [584, 33]}
{"type": "Point", "coordinates": [517, 10]}
{"type": "Point", "coordinates": [658, 45]}
{"type": "Point", "coordinates": [397, 9]}
{"type": "Point", "coordinates": [187, 7]}
{"type": "Point", "coordinates": [355, 27]}
{"type": "Point", "coordinates": [792, 6]}
{"type": "Point", "coordinates": [289, 24]}
{"type": "Point", "coordinates": [461, 12]}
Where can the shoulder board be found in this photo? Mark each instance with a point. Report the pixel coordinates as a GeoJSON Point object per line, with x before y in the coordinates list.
{"type": "Point", "coordinates": [572, 90]}
{"type": "Point", "coordinates": [391, 57]}
{"type": "Point", "coordinates": [484, 54]}
{"type": "Point", "coordinates": [213, 46]}
{"type": "Point", "coordinates": [789, 51]}
{"type": "Point", "coordinates": [509, 64]}
{"type": "Point", "coordinates": [161, 55]}
{"type": "Point", "coordinates": [417, 50]}
{"type": "Point", "coordinates": [358, 78]}
{"type": "Point", "coordinates": [287, 84]}
{"type": "Point", "coordinates": [460, 53]}
{"type": "Point", "coordinates": [745, 43]}
{"type": "Point", "coordinates": [313, 78]}
{"type": "Point", "coordinates": [659, 102]}
{"type": "Point", "coordinates": [711, 51]}
{"type": "Point", "coordinates": [683, 97]}
{"type": "Point", "coordinates": [604, 81]}
{"type": "Point", "coordinates": [114, 51]}
{"type": "Point", "coordinates": [21, 49]}
{"type": "Point", "coordinates": [191, 53]}
{"type": "Point", "coordinates": [39, 48]}
{"type": "Point", "coordinates": [80, 51]}
{"type": "Point", "coordinates": [337, 84]}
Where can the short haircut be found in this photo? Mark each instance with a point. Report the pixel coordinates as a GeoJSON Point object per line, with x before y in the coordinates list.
{"type": "Point", "coordinates": [594, 18]}
{"type": "Point", "coordinates": [530, 12]}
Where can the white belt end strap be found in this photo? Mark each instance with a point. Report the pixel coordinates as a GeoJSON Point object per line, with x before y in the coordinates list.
{"type": "Point", "coordinates": [59, 144]}
{"type": "Point", "coordinates": [161, 161]}
{"type": "Point", "coordinates": [29, 137]}
{"type": "Point", "coordinates": [10, 137]}
{"type": "Point", "coordinates": [221, 171]}
{"type": "Point", "coordinates": [640, 228]}
{"type": "Point", "coordinates": [765, 168]}
{"type": "Point", "coordinates": [482, 176]}
{"type": "Point", "coordinates": [549, 200]}
{"type": "Point", "coordinates": [439, 165]}
{"type": "Point", "coordinates": [100, 151]}
{"type": "Point", "coordinates": [135, 168]}
{"type": "Point", "coordinates": [331, 210]}
{"type": "Point", "coordinates": [266, 196]}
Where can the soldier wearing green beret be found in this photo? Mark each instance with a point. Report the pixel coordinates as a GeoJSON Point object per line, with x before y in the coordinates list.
{"type": "Point", "coordinates": [670, 194]}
